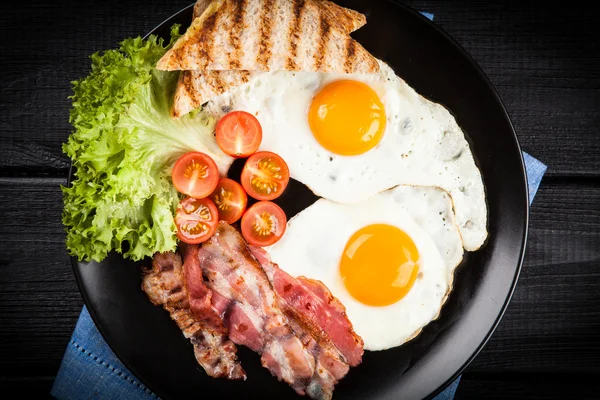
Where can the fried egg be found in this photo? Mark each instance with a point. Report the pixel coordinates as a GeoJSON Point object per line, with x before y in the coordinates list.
{"type": "Point", "coordinates": [390, 260]}
{"type": "Point", "coordinates": [350, 136]}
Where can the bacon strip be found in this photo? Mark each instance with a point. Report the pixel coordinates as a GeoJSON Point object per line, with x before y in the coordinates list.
{"type": "Point", "coordinates": [207, 306]}
{"type": "Point", "coordinates": [255, 320]}
{"type": "Point", "coordinates": [319, 319]}
{"type": "Point", "coordinates": [314, 303]}
{"type": "Point", "coordinates": [298, 327]}
{"type": "Point", "coordinates": [165, 285]}
{"type": "Point", "coordinates": [227, 292]}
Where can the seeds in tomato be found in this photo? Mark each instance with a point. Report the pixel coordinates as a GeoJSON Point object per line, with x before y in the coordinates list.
{"type": "Point", "coordinates": [230, 199]}
{"type": "Point", "coordinates": [265, 176]}
{"type": "Point", "coordinates": [195, 174]}
{"type": "Point", "coordinates": [238, 134]}
{"type": "Point", "coordinates": [265, 224]}
{"type": "Point", "coordinates": [196, 171]}
{"type": "Point", "coordinates": [196, 219]}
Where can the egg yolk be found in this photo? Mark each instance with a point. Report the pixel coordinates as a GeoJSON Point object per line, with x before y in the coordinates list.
{"type": "Point", "coordinates": [347, 117]}
{"type": "Point", "coordinates": [379, 265]}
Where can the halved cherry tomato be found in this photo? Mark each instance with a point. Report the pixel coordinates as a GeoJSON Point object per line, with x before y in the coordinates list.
{"type": "Point", "coordinates": [195, 174]}
{"type": "Point", "coordinates": [230, 199]}
{"type": "Point", "coordinates": [238, 134]}
{"type": "Point", "coordinates": [265, 175]}
{"type": "Point", "coordinates": [263, 224]}
{"type": "Point", "coordinates": [196, 220]}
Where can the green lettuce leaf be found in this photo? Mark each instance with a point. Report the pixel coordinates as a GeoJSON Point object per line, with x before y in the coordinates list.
{"type": "Point", "coordinates": [123, 147]}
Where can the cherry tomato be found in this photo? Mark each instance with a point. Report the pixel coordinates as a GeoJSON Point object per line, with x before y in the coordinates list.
{"type": "Point", "coordinates": [195, 174]}
{"type": "Point", "coordinates": [238, 134]}
{"type": "Point", "coordinates": [196, 220]}
{"type": "Point", "coordinates": [265, 175]}
{"type": "Point", "coordinates": [263, 224]}
{"type": "Point", "coordinates": [230, 199]}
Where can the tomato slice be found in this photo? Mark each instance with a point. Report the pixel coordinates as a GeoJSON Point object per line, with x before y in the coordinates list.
{"type": "Point", "coordinates": [265, 175]}
{"type": "Point", "coordinates": [263, 224]}
{"type": "Point", "coordinates": [238, 134]}
{"type": "Point", "coordinates": [196, 219]}
{"type": "Point", "coordinates": [230, 199]}
{"type": "Point", "coordinates": [195, 174]}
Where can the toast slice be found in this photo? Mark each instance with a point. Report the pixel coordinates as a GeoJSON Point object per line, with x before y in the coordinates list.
{"type": "Point", "coordinates": [350, 20]}
{"type": "Point", "coordinates": [268, 35]}
{"type": "Point", "coordinates": [196, 87]}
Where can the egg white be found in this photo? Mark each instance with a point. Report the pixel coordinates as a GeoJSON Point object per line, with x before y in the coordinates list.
{"type": "Point", "coordinates": [422, 143]}
{"type": "Point", "coordinates": [316, 237]}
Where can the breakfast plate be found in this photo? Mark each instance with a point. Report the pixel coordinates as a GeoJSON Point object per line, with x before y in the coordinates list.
{"type": "Point", "coordinates": [428, 60]}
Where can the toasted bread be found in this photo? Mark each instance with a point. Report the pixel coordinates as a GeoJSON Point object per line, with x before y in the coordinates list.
{"type": "Point", "coordinates": [268, 35]}
{"type": "Point", "coordinates": [349, 20]}
{"type": "Point", "coordinates": [196, 87]}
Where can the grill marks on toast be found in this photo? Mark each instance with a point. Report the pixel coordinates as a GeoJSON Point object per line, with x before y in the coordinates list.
{"type": "Point", "coordinates": [245, 76]}
{"type": "Point", "coordinates": [349, 20]}
{"type": "Point", "coordinates": [231, 39]}
{"type": "Point", "coordinates": [199, 8]}
{"type": "Point", "coordinates": [295, 31]}
{"type": "Point", "coordinates": [265, 43]}
{"type": "Point", "coordinates": [207, 37]}
{"type": "Point", "coordinates": [186, 77]}
{"type": "Point", "coordinates": [195, 88]}
{"type": "Point", "coordinates": [350, 54]}
{"type": "Point", "coordinates": [324, 28]}
{"type": "Point", "coordinates": [235, 33]}
{"type": "Point", "coordinates": [216, 82]}
{"type": "Point", "coordinates": [242, 30]}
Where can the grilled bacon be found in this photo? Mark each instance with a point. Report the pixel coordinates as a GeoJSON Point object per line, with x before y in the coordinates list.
{"type": "Point", "coordinates": [228, 292]}
{"type": "Point", "coordinates": [319, 320]}
{"type": "Point", "coordinates": [165, 286]}
{"type": "Point", "coordinates": [255, 319]}
{"type": "Point", "coordinates": [298, 327]}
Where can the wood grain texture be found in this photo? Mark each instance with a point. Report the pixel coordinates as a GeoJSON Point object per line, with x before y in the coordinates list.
{"type": "Point", "coordinates": [528, 387]}
{"type": "Point", "coordinates": [45, 46]}
{"type": "Point", "coordinates": [543, 61]}
{"type": "Point", "coordinates": [550, 327]}
{"type": "Point", "coordinates": [39, 299]}
{"type": "Point", "coordinates": [555, 308]}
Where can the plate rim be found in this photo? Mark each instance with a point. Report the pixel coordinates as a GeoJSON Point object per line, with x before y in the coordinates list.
{"type": "Point", "coordinates": [522, 178]}
{"type": "Point", "coordinates": [523, 175]}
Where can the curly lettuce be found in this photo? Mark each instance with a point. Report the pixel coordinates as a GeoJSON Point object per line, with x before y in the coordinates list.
{"type": "Point", "coordinates": [123, 147]}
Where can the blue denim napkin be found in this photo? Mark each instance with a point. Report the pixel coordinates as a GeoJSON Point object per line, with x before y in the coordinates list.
{"type": "Point", "coordinates": [90, 370]}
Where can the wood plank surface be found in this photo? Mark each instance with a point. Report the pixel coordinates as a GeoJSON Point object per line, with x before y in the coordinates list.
{"type": "Point", "coordinates": [34, 106]}
{"type": "Point", "coordinates": [528, 387]}
{"type": "Point", "coordinates": [544, 61]}
{"type": "Point", "coordinates": [39, 298]}
{"type": "Point", "coordinates": [550, 325]}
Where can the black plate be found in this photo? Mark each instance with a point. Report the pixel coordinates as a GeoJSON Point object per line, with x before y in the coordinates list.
{"type": "Point", "coordinates": [151, 345]}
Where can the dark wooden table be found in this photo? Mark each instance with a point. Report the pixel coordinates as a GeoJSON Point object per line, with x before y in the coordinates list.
{"type": "Point", "coordinates": [544, 61]}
